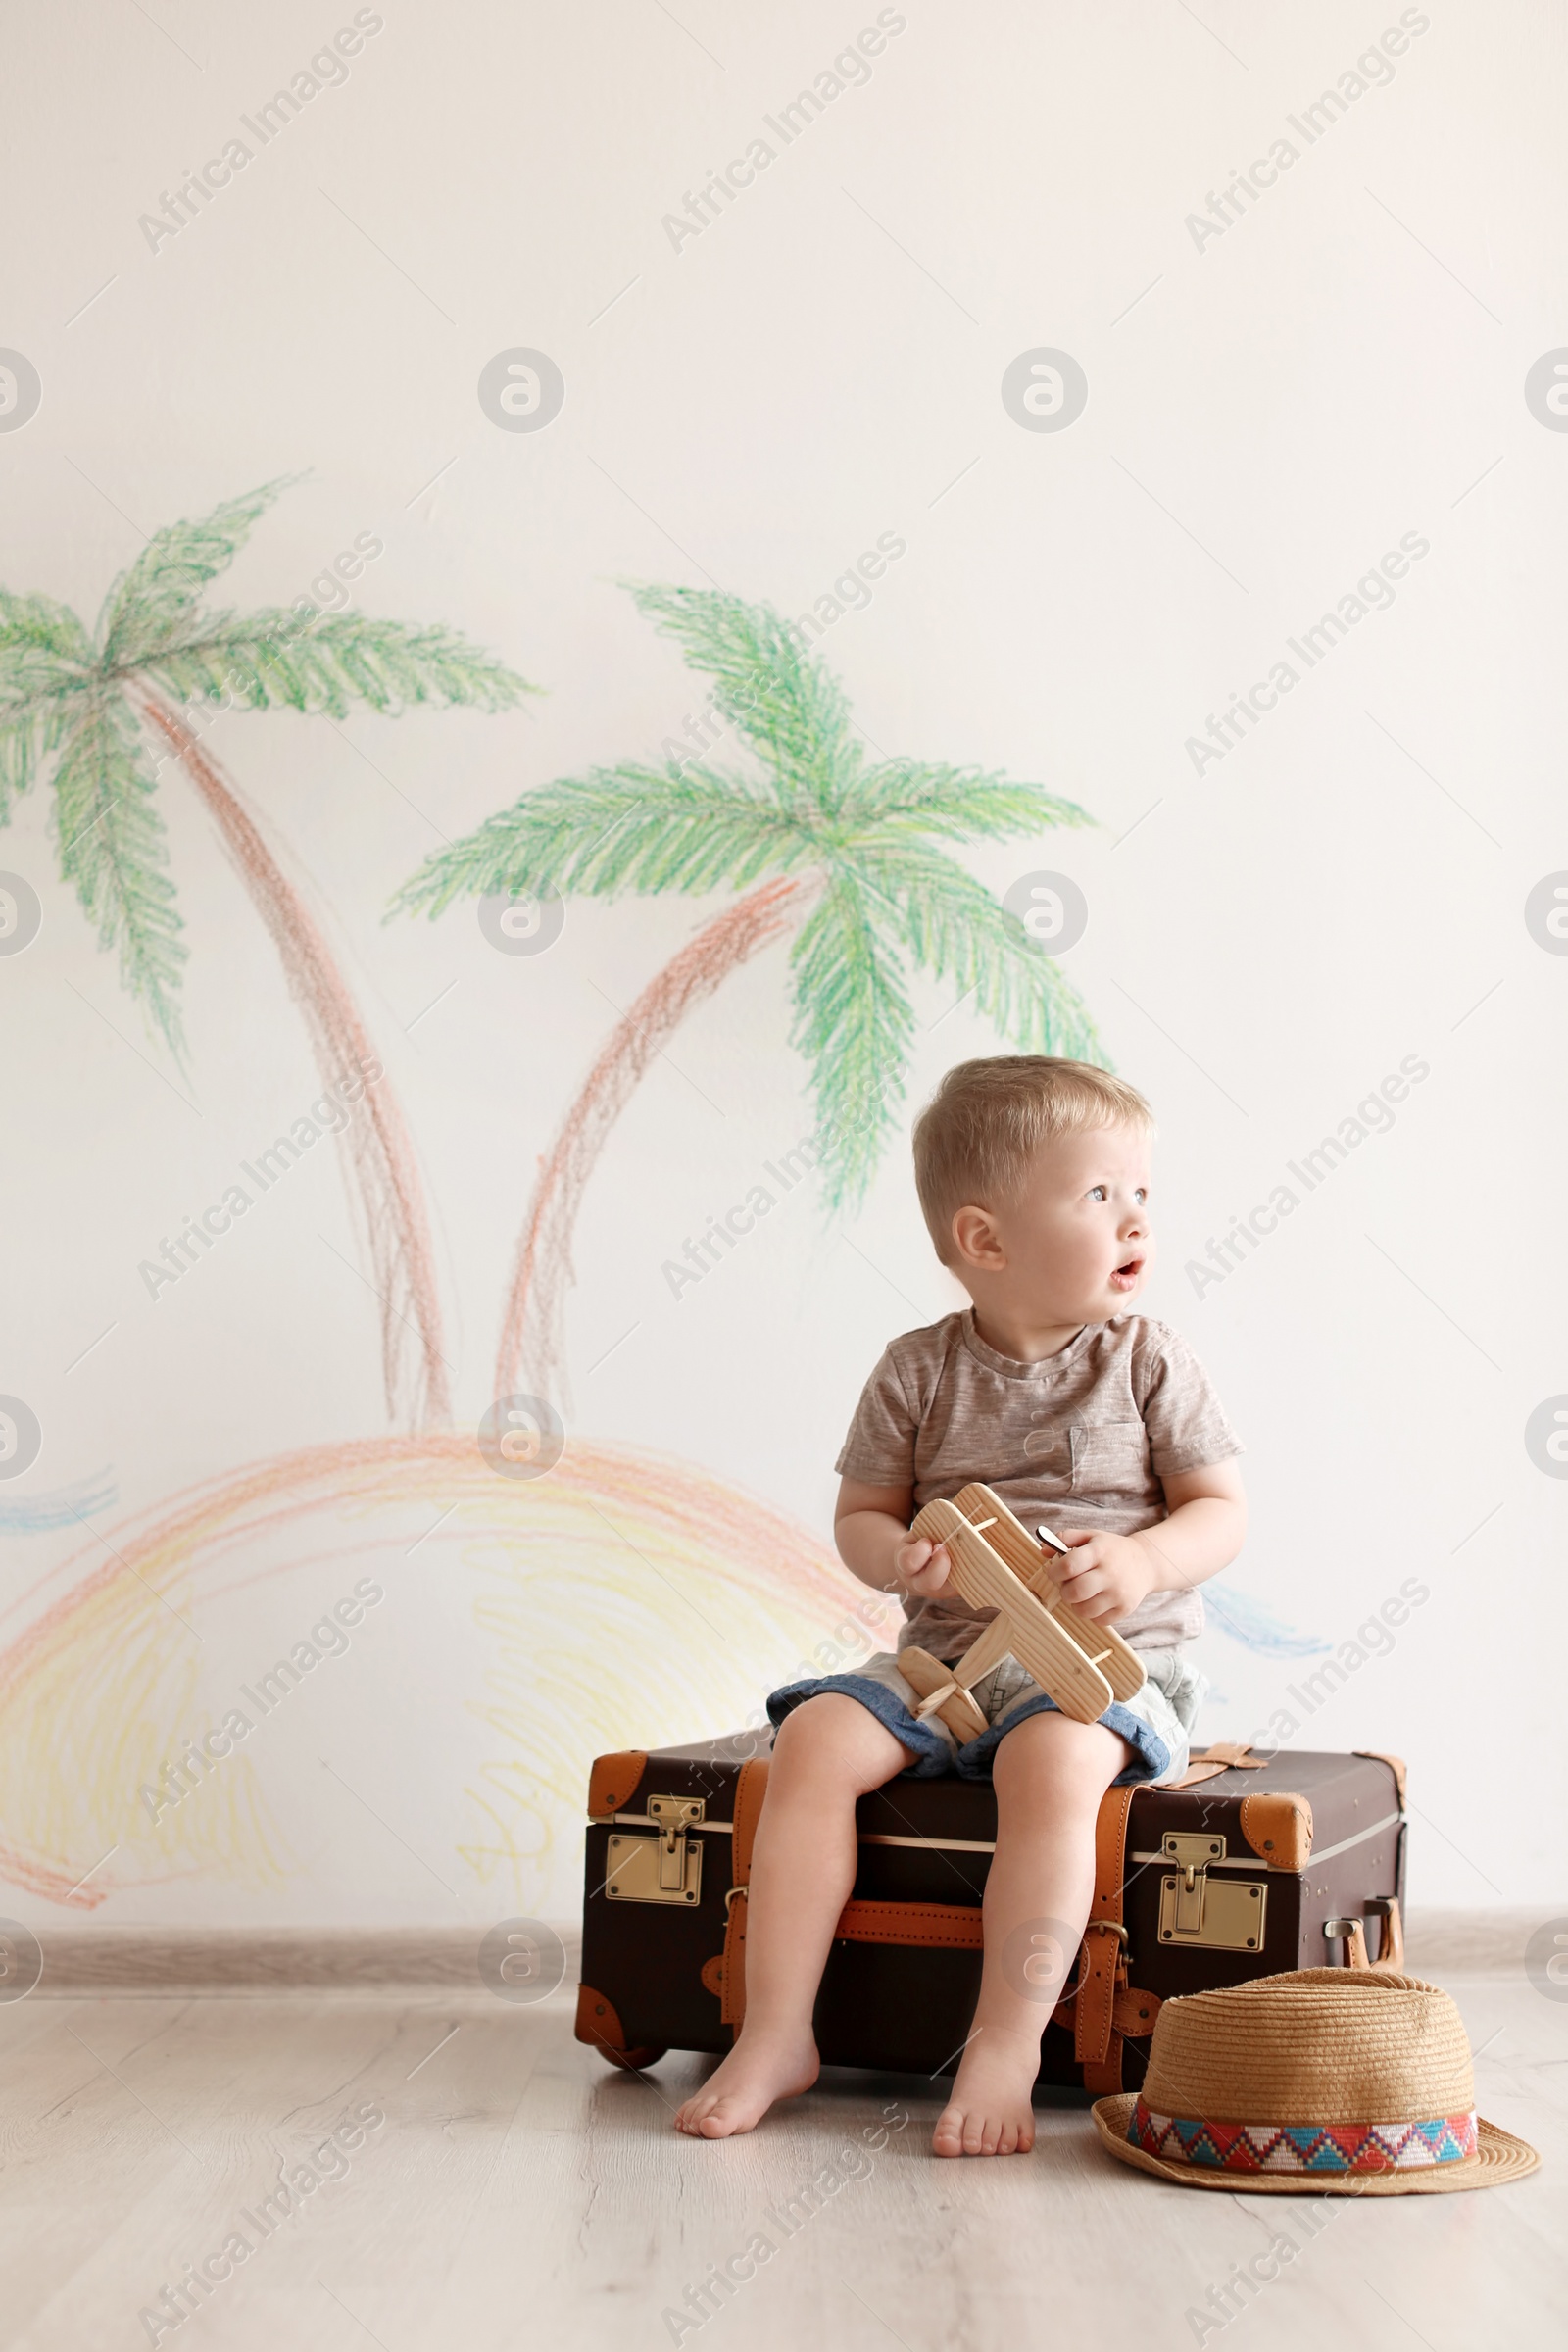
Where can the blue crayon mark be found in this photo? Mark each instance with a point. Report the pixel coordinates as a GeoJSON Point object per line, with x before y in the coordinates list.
{"type": "Point", "coordinates": [61, 1506]}
{"type": "Point", "coordinates": [1254, 1625]}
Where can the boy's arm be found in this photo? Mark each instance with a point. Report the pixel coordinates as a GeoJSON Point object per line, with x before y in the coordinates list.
{"type": "Point", "coordinates": [1106, 1576]}
{"type": "Point", "coordinates": [871, 1528]}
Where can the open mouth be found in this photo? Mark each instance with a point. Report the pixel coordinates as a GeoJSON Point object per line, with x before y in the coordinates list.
{"type": "Point", "coordinates": [1125, 1277]}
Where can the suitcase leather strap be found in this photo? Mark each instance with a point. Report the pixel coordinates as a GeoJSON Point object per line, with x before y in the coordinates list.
{"type": "Point", "coordinates": [1132, 2014]}
{"type": "Point", "coordinates": [1221, 1755]}
{"type": "Point", "coordinates": [953, 1927]}
{"type": "Point", "coordinates": [751, 1787]}
{"type": "Point", "coordinates": [1103, 1967]}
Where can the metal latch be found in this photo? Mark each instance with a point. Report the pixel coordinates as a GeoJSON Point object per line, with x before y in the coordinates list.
{"type": "Point", "coordinates": [1221, 1914]}
{"type": "Point", "coordinates": [667, 1869]}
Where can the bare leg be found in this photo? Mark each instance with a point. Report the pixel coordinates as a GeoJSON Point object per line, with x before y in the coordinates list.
{"type": "Point", "coordinates": [828, 1753]}
{"type": "Point", "coordinates": [1050, 1775]}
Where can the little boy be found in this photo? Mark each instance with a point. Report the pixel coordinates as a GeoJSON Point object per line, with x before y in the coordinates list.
{"type": "Point", "coordinates": [1032, 1176]}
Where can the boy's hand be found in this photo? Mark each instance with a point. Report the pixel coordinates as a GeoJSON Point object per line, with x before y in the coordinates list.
{"type": "Point", "coordinates": [923, 1565]}
{"type": "Point", "coordinates": [1106, 1576]}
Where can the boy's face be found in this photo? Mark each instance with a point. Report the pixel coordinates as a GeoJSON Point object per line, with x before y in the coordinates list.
{"type": "Point", "coordinates": [1075, 1245]}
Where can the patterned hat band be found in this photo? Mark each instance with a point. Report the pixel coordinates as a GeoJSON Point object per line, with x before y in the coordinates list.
{"type": "Point", "coordinates": [1303, 2147]}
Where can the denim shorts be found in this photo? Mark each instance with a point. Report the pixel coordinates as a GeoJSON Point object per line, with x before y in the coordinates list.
{"type": "Point", "coordinates": [1156, 1722]}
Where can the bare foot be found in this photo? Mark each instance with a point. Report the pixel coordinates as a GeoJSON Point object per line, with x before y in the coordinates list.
{"type": "Point", "coordinates": [989, 2112]}
{"type": "Point", "coordinates": [759, 2070]}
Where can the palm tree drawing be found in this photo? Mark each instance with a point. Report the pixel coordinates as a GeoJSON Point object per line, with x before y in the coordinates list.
{"type": "Point", "coordinates": [845, 852]}
{"type": "Point", "coordinates": [95, 705]}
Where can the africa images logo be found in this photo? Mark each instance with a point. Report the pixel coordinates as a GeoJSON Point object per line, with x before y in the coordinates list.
{"type": "Point", "coordinates": [521, 1437]}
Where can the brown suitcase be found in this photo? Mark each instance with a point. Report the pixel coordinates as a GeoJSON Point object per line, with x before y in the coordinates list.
{"type": "Point", "coordinates": [1247, 1868]}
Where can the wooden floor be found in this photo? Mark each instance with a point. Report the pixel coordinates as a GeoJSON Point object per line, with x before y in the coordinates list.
{"type": "Point", "coordinates": [519, 2192]}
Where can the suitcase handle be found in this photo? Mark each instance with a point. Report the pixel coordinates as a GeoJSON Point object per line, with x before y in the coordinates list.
{"type": "Point", "coordinates": [1390, 1950]}
{"type": "Point", "coordinates": [1352, 1936]}
{"type": "Point", "coordinates": [1353, 1932]}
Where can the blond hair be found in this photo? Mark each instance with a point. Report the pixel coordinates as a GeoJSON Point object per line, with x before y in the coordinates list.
{"type": "Point", "coordinates": [978, 1135]}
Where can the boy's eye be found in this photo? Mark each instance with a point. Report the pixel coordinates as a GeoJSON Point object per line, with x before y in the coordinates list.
{"type": "Point", "coordinates": [1096, 1191]}
{"type": "Point", "coordinates": [1139, 1196]}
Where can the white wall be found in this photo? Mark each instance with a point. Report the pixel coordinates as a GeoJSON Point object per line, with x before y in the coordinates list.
{"type": "Point", "coordinates": [1269, 410]}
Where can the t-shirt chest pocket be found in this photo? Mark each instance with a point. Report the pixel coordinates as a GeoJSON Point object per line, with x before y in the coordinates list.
{"type": "Point", "coordinates": [1109, 1457]}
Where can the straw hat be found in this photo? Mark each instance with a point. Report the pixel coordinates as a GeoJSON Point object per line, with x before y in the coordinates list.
{"type": "Point", "coordinates": [1359, 2081]}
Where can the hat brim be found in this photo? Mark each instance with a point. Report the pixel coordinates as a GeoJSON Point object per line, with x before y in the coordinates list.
{"type": "Point", "coordinates": [1498, 2158]}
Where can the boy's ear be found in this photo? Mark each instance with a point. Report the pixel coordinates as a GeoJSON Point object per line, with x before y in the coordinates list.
{"type": "Point", "coordinates": [976, 1239]}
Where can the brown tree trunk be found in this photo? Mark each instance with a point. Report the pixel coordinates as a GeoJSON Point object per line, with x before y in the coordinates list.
{"type": "Point", "coordinates": [386, 1192]}
{"type": "Point", "coordinates": [532, 1355]}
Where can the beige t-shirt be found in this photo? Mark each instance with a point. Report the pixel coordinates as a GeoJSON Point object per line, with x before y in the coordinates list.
{"type": "Point", "coordinates": [1081, 1438]}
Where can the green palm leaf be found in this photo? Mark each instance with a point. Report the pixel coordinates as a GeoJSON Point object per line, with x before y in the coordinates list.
{"type": "Point", "coordinates": [112, 849]}
{"type": "Point", "coordinates": [789, 706]}
{"type": "Point", "coordinates": [35, 626]}
{"type": "Point", "coordinates": [685, 828]}
{"type": "Point", "coordinates": [328, 662]}
{"type": "Point", "coordinates": [959, 933]}
{"type": "Point", "coordinates": [45, 661]}
{"type": "Point", "coordinates": [155, 597]}
{"type": "Point", "coordinates": [854, 1025]}
{"type": "Point", "coordinates": [25, 743]}
{"type": "Point", "coordinates": [918, 797]}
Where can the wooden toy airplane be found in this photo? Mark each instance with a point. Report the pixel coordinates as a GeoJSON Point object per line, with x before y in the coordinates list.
{"type": "Point", "coordinates": [997, 1564]}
